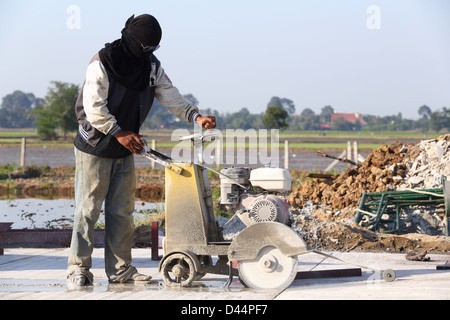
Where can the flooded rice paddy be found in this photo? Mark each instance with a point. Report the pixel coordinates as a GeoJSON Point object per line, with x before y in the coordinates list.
{"type": "Point", "coordinates": [59, 157]}
{"type": "Point", "coordinates": [56, 214]}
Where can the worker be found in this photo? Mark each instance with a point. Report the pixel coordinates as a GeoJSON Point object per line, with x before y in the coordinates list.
{"type": "Point", "coordinates": [122, 80]}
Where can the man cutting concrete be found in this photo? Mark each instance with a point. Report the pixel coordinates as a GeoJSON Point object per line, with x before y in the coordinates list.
{"type": "Point", "coordinates": [122, 80]}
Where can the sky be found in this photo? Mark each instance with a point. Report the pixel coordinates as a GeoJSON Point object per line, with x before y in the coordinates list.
{"type": "Point", "coordinates": [378, 57]}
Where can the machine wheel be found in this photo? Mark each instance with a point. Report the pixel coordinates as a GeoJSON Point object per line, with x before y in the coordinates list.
{"type": "Point", "coordinates": [389, 275]}
{"type": "Point", "coordinates": [270, 270]}
{"type": "Point", "coordinates": [178, 270]}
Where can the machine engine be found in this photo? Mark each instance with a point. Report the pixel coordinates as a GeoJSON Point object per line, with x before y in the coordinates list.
{"type": "Point", "coordinates": [256, 195]}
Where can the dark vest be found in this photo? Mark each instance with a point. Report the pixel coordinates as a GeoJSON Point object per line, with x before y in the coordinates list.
{"type": "Point", "coordinates": [129, 107]}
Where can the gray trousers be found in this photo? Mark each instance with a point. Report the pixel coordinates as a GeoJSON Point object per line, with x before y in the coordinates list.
{"type": "Point", "coordinates": [112, 182]}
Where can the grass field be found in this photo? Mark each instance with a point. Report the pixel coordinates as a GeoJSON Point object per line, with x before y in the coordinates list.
{"type": "Point", "coordinates": [358, 134]}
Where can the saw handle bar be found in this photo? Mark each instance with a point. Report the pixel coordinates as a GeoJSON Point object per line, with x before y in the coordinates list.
{"type": "Point", "coordinates": [160, 158]}
{"type": "Point", "coordinates": [201, 136]}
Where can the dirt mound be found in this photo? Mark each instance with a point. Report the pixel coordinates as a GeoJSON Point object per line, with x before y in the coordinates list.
{"type": "Point", "coordinates": [383, 170]}
{"type": "Point", "coordinates": [323, 211]}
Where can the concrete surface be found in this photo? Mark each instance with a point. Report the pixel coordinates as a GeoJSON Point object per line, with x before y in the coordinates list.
{"type": "Point", "coordinates": [39, 274]}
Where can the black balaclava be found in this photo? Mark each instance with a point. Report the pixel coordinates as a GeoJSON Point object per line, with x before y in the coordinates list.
{"type": "Point", "coordinates": [125, 59]}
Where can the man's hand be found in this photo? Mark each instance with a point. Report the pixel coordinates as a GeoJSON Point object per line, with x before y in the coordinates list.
{"type": "Point", "coordinates": [131, 141]}
{"type": "Point", "coordinates": [208, 122]}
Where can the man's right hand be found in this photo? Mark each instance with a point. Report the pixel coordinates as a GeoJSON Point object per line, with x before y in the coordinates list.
{"type": "Point", "coordinates": [131, 141]}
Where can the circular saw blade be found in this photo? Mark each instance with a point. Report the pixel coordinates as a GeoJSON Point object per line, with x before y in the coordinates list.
{"type": "Point", "coordinates": [270, 270]}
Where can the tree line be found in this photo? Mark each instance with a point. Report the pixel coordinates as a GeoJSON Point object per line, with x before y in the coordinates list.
{"type": "Point", "coordinates": [56, 112]}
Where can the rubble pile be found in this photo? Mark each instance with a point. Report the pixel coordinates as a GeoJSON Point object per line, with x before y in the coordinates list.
{"type": "Point", "coordinates": [345, 235]}
{"type": "Point", "coordinates": [394, 167]}
{"type": "Point", "coordinates": [323, 211]}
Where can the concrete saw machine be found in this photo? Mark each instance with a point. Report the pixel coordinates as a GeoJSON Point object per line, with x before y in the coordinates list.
{"type": "Point", "coordinates": [263, 255]}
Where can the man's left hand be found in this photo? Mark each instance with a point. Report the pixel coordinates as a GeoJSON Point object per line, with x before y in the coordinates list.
{"type": "Point", "coordinates": [208, 122]}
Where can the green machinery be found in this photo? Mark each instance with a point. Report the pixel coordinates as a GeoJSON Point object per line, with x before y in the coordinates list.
{"type": "Point", "coordinates": [380, 211]}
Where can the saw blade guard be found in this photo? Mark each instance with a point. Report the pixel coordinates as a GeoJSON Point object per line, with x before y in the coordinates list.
{"type": "Point", "coordinates": [249, 242]}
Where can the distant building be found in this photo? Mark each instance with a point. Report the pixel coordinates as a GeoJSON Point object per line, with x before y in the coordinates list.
{"type": "Point", "coordinates": [353, 118]}
{"type": "Point", "coordinates": [349, 117]}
